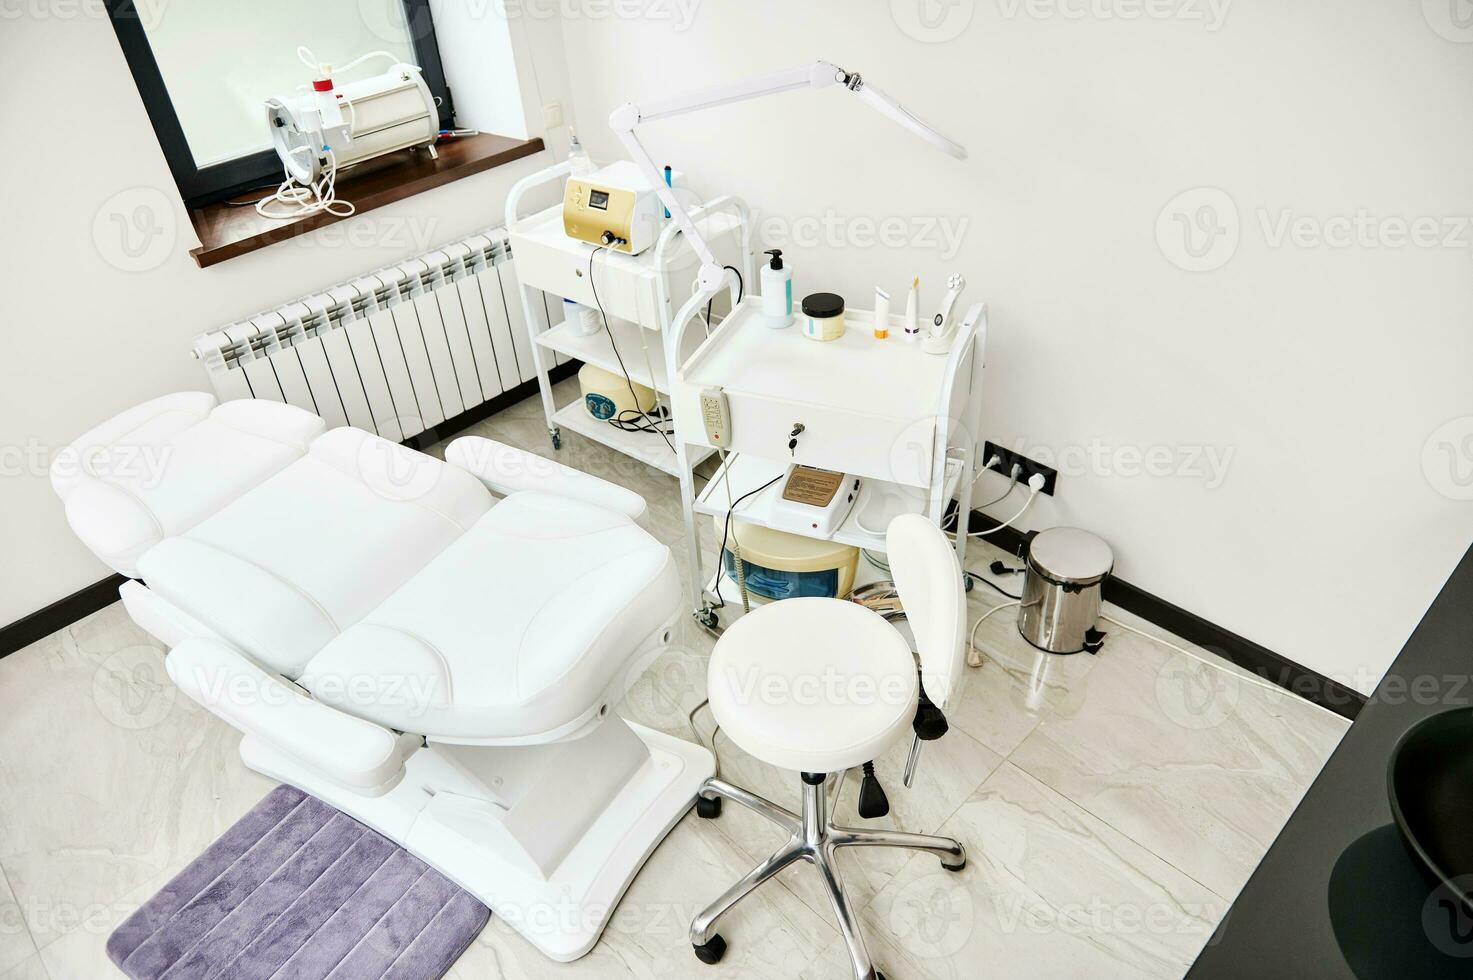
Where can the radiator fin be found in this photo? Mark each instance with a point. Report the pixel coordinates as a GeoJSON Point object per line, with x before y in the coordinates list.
{"type": "Point", "coordinates": [394, 352]}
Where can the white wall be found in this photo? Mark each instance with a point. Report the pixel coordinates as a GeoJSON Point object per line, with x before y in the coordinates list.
{"type": "Point", "coordinates": [85, 337]}
{"type": "Point", "coordinates": [1324, 371]}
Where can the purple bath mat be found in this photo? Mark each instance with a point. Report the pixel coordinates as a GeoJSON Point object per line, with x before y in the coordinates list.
{"type": "Point", "coordinates": [297, 889]}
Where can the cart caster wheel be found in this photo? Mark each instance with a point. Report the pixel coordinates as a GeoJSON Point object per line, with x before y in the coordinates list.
{"type": "Point", "coordinates": [707, 618]}
{"type": "Point", "coordinates": [557, 438]}
{"type": "Point", "coordinates": [712, 951]}
{"type": "Point", "coordinates": [708, 809]}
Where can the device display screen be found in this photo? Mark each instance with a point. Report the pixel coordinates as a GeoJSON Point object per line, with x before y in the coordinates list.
{"type": "Point", "coordinates": [598, 199]}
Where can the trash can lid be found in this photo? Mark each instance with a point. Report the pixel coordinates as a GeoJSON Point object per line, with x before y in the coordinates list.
{"type": "Point", "coordinates": [1070, 555]}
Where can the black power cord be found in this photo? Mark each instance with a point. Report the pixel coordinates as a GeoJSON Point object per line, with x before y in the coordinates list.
{"type": "Point", "coordinates": [654, 423]}
{"type": "Point", "coordinates": [991, 585]}
{"type": "Point", "coordinates": [726, 531]}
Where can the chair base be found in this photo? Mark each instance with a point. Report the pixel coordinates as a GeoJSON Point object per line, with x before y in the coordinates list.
{"type": "Point", "coordinates": [562, 913]}
{"type": "Point", "coordinates": [813, 838]}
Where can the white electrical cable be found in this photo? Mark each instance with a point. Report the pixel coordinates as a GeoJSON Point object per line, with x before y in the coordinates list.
{"type": "Point", "coordinates": [974, 656]}
{"type": "Point", "coordinates": [1032, 496]}
{"type": "Point", "coordinates": [1012, 485]}
{"type": "Point", "coordinates": [309, 199]}
{"type": "Point", "coordinates": [304, 54]}
{"type": "Point", "coordinates": [1247, 678]}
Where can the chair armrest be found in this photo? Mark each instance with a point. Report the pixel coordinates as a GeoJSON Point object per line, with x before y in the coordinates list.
{"type": "Point", "coordinates": [350, 751]}
{"type": "Point", "coordinates": [507, 470]}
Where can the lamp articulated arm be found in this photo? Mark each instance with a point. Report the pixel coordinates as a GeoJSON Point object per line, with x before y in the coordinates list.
{"type": "Point", "coordinates": [819, 74]}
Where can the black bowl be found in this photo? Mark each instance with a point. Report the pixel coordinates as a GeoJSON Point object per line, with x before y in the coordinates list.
{"type": "Point", "coordinates": [1430, 781]}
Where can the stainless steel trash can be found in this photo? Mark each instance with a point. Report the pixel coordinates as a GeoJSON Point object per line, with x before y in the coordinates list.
{"type": "Point", "coordinates": [1066, 574]}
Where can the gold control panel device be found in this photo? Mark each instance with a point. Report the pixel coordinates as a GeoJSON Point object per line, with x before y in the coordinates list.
{"type": "Point", "coordinates": [614, 206]}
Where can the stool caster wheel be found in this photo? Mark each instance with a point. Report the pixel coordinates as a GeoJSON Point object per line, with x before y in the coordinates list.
{"type": "Point", "coordinates": [970, 583]}
{"type": "Point", "coordinates": [959, 867]}
{"type": "Point", "coordinates": [712, 951]}
{"type": "Point", "coordinates": [707, 618]}
{"type": "Point", "coordinates": [708, 809]}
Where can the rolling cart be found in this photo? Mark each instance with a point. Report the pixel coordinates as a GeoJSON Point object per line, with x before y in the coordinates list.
{"type": "Point", "coordinates": [638, 294]}
{"type": "Point", "coordinates": [906, 422]}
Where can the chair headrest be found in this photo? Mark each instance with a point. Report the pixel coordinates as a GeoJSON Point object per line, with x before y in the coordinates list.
{"type": "Point", "coordinates": [161, 467]}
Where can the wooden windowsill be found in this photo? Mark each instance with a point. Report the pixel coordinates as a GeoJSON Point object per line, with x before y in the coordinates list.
{"type": "Point", "coordinates": [225, 232]}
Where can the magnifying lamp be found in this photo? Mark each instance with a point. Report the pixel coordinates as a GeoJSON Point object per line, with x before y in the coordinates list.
{"type": "Point", "coordinates": [820, 74]}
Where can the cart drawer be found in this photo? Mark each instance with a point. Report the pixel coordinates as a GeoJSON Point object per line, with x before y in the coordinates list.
{"type": "Point", "coordinates": [897, 450]}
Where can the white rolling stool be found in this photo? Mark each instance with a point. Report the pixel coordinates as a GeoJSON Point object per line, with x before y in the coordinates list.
{"type": "Point", "coordinates": [821, 686]}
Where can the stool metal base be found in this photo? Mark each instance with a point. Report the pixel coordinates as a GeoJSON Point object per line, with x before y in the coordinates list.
{"type": "Point", "coordinates": [814, 838]}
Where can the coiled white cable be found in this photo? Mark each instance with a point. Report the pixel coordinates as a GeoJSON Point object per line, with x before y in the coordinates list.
{"type": "Point", "coordinates": [302, 200]}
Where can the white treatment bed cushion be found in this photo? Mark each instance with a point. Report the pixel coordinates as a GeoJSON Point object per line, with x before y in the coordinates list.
{"type": "Point", "coordinates": [315, 548]}
{"type": "Point", "coordinates": [362, 756]}
{"type": "Point", "coordinates": [514, 630]}
{"type": "Point", "coordinates": [508, 470]}
{"type": "Point", "coordinates": [162, 467]}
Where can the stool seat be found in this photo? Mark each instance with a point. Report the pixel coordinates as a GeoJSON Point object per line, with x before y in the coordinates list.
{"type": "Point", "coordinates": [813, 685]}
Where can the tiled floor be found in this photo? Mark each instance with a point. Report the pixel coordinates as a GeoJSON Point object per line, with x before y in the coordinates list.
{"type": "Point", "coordinates": [1112, 806]}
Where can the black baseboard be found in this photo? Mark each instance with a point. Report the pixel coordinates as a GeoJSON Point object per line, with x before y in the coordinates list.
{"type": "Point", "coordinates": [64, 612]}
{"type": "Point", "coordinates": [1251, 656]}
{"type": "Point", "coordinates": [59, 615]}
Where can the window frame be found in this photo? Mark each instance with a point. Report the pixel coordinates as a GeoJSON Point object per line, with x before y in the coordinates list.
{"type": "Point", "coordinates": [203, 185]}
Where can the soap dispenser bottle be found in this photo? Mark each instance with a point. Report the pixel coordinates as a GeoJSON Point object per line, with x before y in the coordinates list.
{"type": "Point", "coordinates": [578, 157]}
{"type": "Point", "coordinates": [777, 291]}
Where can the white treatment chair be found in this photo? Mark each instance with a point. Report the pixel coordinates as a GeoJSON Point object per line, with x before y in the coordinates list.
{"type": "Point", "coordinates": [395, 640]}
{"type": "Point", "coordinates": [821, 686]}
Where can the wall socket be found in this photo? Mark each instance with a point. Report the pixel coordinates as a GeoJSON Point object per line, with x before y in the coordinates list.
{"type": "Point", "coordinates": [1030, 467]}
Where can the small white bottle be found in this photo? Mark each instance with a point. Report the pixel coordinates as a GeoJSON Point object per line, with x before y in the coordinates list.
{"type": "Point", "coordinates": [578, 157]}
{"type": "Point", "coordinates": [777, 291]}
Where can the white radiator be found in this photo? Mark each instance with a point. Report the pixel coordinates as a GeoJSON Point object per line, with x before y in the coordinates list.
{"type": "Point", "coordinates": [394, 352]}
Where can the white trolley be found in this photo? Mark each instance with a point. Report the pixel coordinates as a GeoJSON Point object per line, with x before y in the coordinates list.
{"type": "Point", "coordinates": [639, 295]}
{"type": "Point", "coordinates": [905, 421]}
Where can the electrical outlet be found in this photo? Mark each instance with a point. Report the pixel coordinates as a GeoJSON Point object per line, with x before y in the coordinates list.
{"type": "Point", "coordinates": [1030, 467]}
{"type": "Point", "coordinates": [552, 115]}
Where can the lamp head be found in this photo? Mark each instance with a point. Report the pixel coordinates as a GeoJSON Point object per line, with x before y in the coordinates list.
{"type": "Point", "coordinates": [886, 106]}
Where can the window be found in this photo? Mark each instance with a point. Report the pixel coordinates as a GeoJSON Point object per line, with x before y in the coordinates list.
{"type": "Point", "coordinates": [205, 68]}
